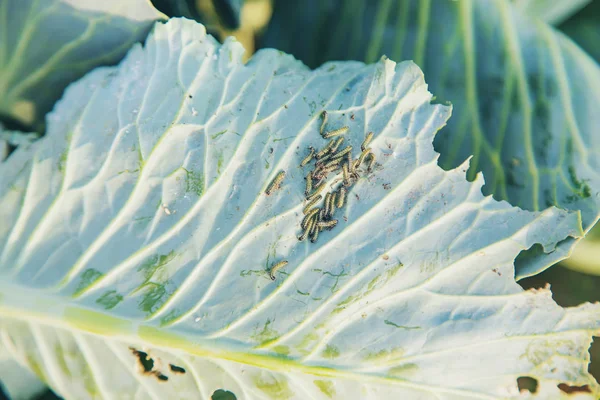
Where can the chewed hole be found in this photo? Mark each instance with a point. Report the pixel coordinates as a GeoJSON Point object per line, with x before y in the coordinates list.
{"type": "Point", "coordinates": [568, 389]}
{"type": "Point", "coordinates": [569, 289]}
{"type": "Point", "coordinates": [594, 367]}
{"type": "Point", "coordinates": [147, 365]}
{"type": "Point", "coordinates": [146, 362]}
{"type": "Point", "coordinates": [527, 384]}
{"type": "Point", "coordinates": [221, 394]}
{"type": "Point", "coordinates": [177, 369]}
{"type": "Point", "coordinates": [161, 377]}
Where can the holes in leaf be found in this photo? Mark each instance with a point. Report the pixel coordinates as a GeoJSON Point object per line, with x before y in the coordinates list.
{"type": "Point", "coordinates": [160, 376]}
{"type": "Point", "coordinates": [569, 289]}
{"type": "Point", "coordinates": [176, 369]}
{"type": "Point", "coordinates": [594, 367]}
{"type": "Point", "coordinates": [527, 384]}
{"type": "Point", "coordinates": [528, 256]}
{"type": "Point", "coordinates": [221, 394]}
{"type": "Point", "coordinates": [147, 365]}
{"type": "Point", "coordinates": [574, 389]}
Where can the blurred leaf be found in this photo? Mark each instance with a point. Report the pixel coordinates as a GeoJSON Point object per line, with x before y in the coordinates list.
{"type": "Point", "coordinates": [584, 29]}
{"type": "Point", "coordinates": [585, 257]}
{"type": "Point", "coordinates": [230, 12]}
{"type": "Point", "coordinates": [18, 382]}
{"type": "Point", "coordinates": [254, 16]}
{"type": "Point", "coordinates": [216, 15]}
{"type": "Point", "coordinates": [525, 97]}
{"type": "Point", "coordinates": [45, 45]}
{"type": "Point", "coordinates": [551, 11]}
{"type": "Point", "coordinates": [179, 8]}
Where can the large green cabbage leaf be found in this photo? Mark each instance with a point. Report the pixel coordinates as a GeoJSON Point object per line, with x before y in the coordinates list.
{"type": "Point", "coordinates": [47, 44]}
{"type": "Point", "coordinates": [525, 97]}
{"type": "Point", "coordinates": [135, 239]}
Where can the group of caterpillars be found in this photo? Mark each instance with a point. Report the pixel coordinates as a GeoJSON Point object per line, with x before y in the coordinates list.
{"type": "Point", "coordinates": [330, 159]}
{"type": "Point", "coordinates": [327, 160]}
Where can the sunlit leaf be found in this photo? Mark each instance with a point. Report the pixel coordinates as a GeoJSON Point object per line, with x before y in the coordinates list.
{"type": "Point", "coordinates": [136, 240]}
{"type": "Point", "coordinates": [525, 97]}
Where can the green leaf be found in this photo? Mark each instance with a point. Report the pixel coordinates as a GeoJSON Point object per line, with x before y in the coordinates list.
{"type": "Point", "coordinates": [229, 11]}
{"type": "Point", "coordinates": [584, 29]}
{"type": "Point", "coordinates": [525, 97]}
{"type": "Point", "coordinates": [179, 8]}
{"type": "Point", "coordinates": [119, 278]}
{"type": "Point", "coordinates": [552, 11]}
{"type": "Point", "coordinates": [45, 45]}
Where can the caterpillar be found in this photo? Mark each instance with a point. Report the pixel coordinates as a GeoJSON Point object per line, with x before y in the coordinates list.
{"type": "Point", "coordinates": [336, 132]}
{"type": "Point", "coordinates": [311, 203]}
{"type": "Point", "coordinates": [337, 144]}
{"type": "Point", "coordinates": [314, 233]}
{"type": "Point", "coordinates": [327, 204]}
{"type": "Point", "coordinates": [332, 202]}
{"type": "Point", "coordinates": [371, 162]}
{"type": "Point", "coordinates": [303, 236]}
{"type": "Point", "coordinates": [309, 157]}
{"type": "Point", "coordinates": [342, 153]}
{"type": "Point", "coordinates": [361, 158]}
{"type": "Point", "coordinates": [309, 215]}
{"type": "Point", "coordinates": [367, 140]}
{"type": "Point", "coordinates": [275, 182]}
{"type": "Point", "coordinates": [308, 229]}
{"type": "Point", "coordinates": [346, 174]}
{"type": "Point", "coordinates": [326, 149]}
{"type": "Point", "coordinates": [309, 178]}
{"type": "Point", "coordinates": [324, 116]}
{"type": "Point", "coordinates": [321, 215]}
{"type": "Point", "coordinates": [341, 198]}
{"type": "Point", "coordinates": [316, 191]}
{"type": "Point", "coordinates": [327, 224]}
{"type": "Point", "coordinates": [332, 163]}
{"type": "Point", "coordinates": [275, 267]}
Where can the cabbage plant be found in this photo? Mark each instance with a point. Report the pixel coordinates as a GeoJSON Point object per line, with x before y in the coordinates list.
{"type": "Point", "coordinates": [188, 225]}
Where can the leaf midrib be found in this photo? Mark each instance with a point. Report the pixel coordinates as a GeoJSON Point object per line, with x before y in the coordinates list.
{"type": "Point", "coordinates": [84, 320]}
